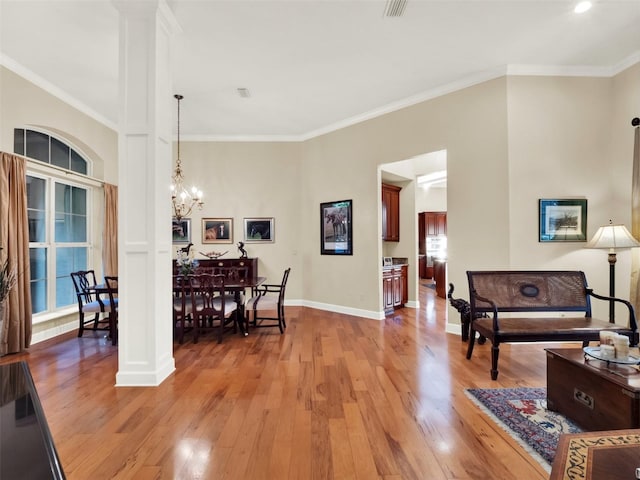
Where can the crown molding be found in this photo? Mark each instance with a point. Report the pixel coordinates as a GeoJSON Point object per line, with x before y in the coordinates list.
{"type": "Point", "coordinates": [469, 81]}
{"type": "Point", "coordinates": [48, 87]}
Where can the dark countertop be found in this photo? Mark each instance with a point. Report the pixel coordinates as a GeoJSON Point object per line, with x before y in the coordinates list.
{"type": "Point", "coordinates": [27, 451]}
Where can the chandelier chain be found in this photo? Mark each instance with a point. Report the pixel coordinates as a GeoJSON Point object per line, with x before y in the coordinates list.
{"type": "Point", "coordinates": [183, 201]}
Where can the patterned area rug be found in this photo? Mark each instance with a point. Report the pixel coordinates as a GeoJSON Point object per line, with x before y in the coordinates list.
{"type": "Point", "coordinates": [522, 412]}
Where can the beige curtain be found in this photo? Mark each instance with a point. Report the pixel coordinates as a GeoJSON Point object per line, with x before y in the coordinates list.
{"type": "Point", "coordinates": [15, 334]}
{"type": "Point", "coordinates": [110, 233]}
{"type": "Point", "coordinates": [635, 223]}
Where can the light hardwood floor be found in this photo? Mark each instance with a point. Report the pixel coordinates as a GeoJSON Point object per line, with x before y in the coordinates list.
{"type": "Point", "coordinates": [335, 397]}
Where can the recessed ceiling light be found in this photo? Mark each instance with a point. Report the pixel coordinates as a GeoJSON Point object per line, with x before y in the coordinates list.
{"type": "Point", "coordinates": [244, 92]}
{"type": "Point", "coordinates": [582, 7]}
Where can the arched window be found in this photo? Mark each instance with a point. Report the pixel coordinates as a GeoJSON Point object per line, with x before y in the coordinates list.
{"type": "Point", "coordinates": [58, 209]}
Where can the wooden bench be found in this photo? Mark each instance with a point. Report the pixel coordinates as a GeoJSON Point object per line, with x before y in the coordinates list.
{"type": "Point", "coordinates": [550, 298]}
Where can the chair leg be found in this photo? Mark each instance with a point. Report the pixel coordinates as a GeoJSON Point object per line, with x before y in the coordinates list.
{"type": "Point", "coordinates": [95, 321]}
{"type": "Point", "coordinates": [472, 341]}
{"type": "Point", "coordinates": [113, 327]}
{"type": "Point", "coordinates": [81, 326]}
{"type": "Point", "coordinates": [495, 351]}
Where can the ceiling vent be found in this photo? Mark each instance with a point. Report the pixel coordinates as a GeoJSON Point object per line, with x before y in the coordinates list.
{"type": "Point", "coordinates": [395, 8]}
{"type": "Point", "coordinates": [244, 92]}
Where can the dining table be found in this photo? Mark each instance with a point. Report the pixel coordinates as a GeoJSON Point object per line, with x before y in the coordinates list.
{"type": "Point", "coordinates": [238, 286]}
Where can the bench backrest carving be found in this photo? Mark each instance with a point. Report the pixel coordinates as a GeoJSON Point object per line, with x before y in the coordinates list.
{"type": "Point", "coordinates": [529, 291]}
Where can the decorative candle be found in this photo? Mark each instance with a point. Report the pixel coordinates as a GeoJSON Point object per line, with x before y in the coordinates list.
{"type": "Point", "coordinates": [606, 337]}
{"type": "Point", "coordinates": [621, 343]}
{"type": "Point", "coordinates": [607, 352]}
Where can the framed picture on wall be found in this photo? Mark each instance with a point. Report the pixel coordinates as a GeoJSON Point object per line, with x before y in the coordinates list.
{"type": "Point", "coordinates": [217, 230]}
{"type": "Point", "coordinates": [259, 230]}
{"type": "Point", "coordinates": [336, 229]}
{"type": "Point", "coordinates": [563, 220]}
{"type": "Point", "coordinates": [181, 230]}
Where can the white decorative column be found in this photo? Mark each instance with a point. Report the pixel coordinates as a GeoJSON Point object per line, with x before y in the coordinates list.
{"type": "Point", "coordinates": [145, 344]}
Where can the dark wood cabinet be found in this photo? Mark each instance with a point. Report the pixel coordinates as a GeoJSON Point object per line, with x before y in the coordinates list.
{"type": "Point", "coordinates": [387, 290]}
{"type": "Point", "coordinates": [435, 224]}
{"type": "Point", "coordinates": [390, 213]}
{"type": "Point", "coordinates": [440, 276]}
{"type": "Point", "coordinates": [395, 289]}
{"type": "Point", "coordinates": [251, 263]}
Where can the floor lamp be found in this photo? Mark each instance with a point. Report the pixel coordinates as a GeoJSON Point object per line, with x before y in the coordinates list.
{"type": "Point", "coordinates": [612, 237]}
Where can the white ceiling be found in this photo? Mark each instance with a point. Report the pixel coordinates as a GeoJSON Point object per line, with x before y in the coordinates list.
{"type": "Point", "coordinates": [315, 65]}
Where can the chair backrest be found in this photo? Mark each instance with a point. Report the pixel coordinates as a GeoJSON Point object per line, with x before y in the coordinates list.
{"type": "Point", "coordinates": [82, 281]}
{"type": "Point", "coordinates": [283, 285]}
{"type": "Point", "coordinates": [112, 288]}
{"type": "Point", "coordinates": [182, 288]}
{"type": "Point", "coordinates": [232, 274]}
{"type": "Point", "coordinates": [209, 300]}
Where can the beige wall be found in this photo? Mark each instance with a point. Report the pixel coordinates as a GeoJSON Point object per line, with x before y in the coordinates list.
{"type": "Point", "coordinates": [246, 180]}
{"type": "Point", "coordinates": [571, 138]}
{"type": "Point", "coordinates": [471, 126]}
{"type": "Point", "coordinates": [509, 142]}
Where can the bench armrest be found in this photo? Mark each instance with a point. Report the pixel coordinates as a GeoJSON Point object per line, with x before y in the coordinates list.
{"type": "Point", "coordinates": [632, 316]}
{"type": "Point", "coordinates": [494, 307]}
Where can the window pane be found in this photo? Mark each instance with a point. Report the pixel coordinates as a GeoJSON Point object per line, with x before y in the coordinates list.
{"type": "Point", "coordinates": [36, 193]}
{"type": "Point", "coordinates": [38, 264]}
{"type": "Point", "coordinates": [78, 201]}
{"type": "Point", "coordinates": [79, 228]}
{"type": "Point", "coordinates": [18, 141]}
{"type": "Point", "coordinates": [63, 228]}
{"type": "Point", "coordinates": [59, 154]}
{"type": "Point", "coordinates": [68, 260]}
{"type": "Point", "coordinates": [63, 198]}
{"type": "Point", "coordinates": [37, 226]}
{"type": "Point", "coordinates": [39, 296]}
{"type": "Point", "coordinates": [70, 228]}
{"type": "Point", "coordinates": [38, 146]}
{"type": "Point", "coordinates": [78, 164]}
{"type": "Point", "coordinates": [36, 201]}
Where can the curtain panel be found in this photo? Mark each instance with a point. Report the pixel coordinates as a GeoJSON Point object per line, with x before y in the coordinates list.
{"type": "Point", "coordinates": [110, 232]}
{"type": "Point", "coordinates": [635, 222]}
{"type": "Point", "coordinates": [15, 332]}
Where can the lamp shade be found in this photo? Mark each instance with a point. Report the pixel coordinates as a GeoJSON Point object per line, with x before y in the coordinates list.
{"type": "Point", "coordinates": [612, 237]}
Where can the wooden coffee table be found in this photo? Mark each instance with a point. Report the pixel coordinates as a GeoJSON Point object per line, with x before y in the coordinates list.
{"type": "Point", "coordinates": [593, 393]}
{"type": "Point", "coordinates": [608, 455]}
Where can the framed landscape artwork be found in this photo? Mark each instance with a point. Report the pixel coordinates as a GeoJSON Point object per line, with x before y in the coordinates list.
{"type": "Point", "coordinates": [181, 230]}
{"type": "Point", "coordinates": [259, 230]}
{"type": "Point", "coordinates": [336, 229]}
{"type": "Point", "coordinates": [217, 230]}
{"type": "Point", "coordinates": [563, 220]}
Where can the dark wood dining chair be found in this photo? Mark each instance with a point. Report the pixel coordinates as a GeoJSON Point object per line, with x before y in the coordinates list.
{"type": "Point", "coordinates": [89, 302]}
{"type": "Point", "coordinates": [112, 288]}
{"type": "Point", "coordinates": [211, 307]}
{"type": "Point", "coordinates": [182, 304]}
{"type": "Point", "coordinates": [268, 298]}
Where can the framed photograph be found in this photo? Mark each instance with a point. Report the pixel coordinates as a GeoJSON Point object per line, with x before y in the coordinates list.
{"type": "Point", "coordinates": [217, 230]}
{"type": "Point", "coordinates": [563, 220]}
{"type": "Point", "coordinates": [336, 229]}
{"type": "Point", "coordinates": [259, 230]}
{"type": "Point", "coordinates": [181, 230]}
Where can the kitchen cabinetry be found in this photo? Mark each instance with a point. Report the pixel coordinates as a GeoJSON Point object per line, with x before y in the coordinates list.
{"type": "Point", "coordinates": [432, 231]}
{"type": "Point", "coordinates": [440, 276]}
{"type": "Point", "coordinates": [395, 289]}
{"type": "Point", "coordinates": [435, 224]}
{"type": "Point", "coordinates": [390, 213]}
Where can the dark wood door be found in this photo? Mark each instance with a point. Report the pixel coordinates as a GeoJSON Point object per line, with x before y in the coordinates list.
{"type": "Point", "coordinates": [387, 290]}
{"type": "Point", "coordinates": [390, 213]}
